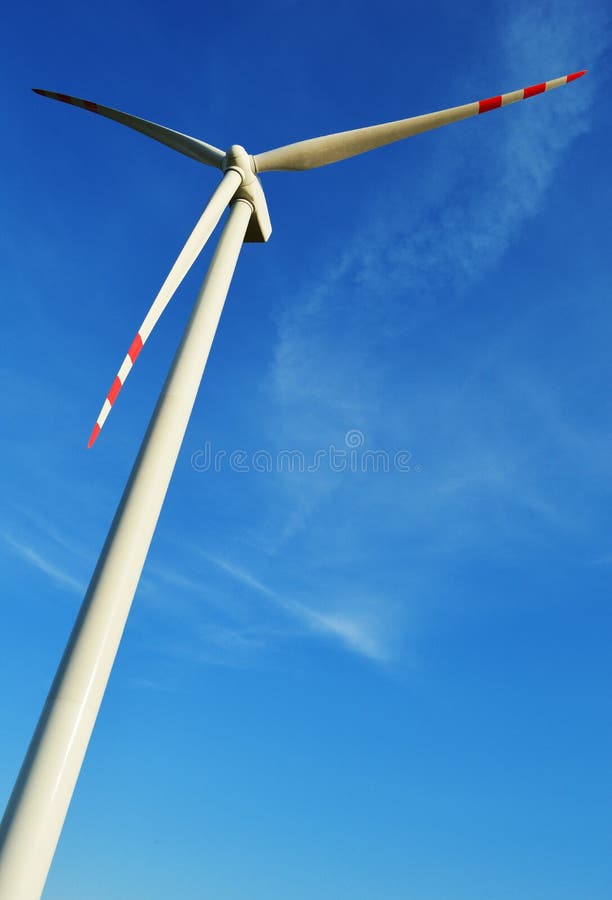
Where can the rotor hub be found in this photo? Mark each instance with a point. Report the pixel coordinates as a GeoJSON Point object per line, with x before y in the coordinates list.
{"type": "Point", "coordinates": [237, 159]}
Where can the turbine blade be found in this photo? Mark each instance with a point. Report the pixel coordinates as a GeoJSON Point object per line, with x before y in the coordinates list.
{"type": "Point", "coordinates": [331, 148]}
{"type": "Point", "coordinates": [196, 149]}
{"type": "Point", "coordinates": [186, 258]}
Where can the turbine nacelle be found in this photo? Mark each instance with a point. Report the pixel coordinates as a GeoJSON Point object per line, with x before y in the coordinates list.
{"type": "Point", "coordinates": [238, 160]}
{"type": "Point", "coordinates": [237, 157]}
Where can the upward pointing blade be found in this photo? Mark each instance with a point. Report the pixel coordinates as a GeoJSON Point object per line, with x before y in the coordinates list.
{"type": "Point", "coordinates": [331, 148]}
{"type": "Point", "coordinates": [189, 146]}
{"type": "Point", "coordinates": [186, 258]}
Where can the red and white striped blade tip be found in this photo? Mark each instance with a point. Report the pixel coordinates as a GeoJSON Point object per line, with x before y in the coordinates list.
{"type": "Point", "coordinates": [66, 98]}
{"type": "Point", "coordinates": [118, 382]}
{"type": "Point", "coordinates": [495, 102]}
{"type": "Point", "coordinates": [93, 436]}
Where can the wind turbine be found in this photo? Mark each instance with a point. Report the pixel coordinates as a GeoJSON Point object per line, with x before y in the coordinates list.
{"type": "Point", "coordinates": [36, 810]}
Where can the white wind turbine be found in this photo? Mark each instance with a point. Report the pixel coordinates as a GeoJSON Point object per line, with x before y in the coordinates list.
{"type": "Point", "coordinates": [37, 807]}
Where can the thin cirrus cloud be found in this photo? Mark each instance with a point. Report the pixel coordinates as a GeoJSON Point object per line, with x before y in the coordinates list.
{"type": "Point", "coordinates": [478, 187]}
{"type": "Point", "coordinates": [452, 234]}
{"type": "Point", "coordinates": [357, 631]}
{"type": "Point", "coordinates": [232, 628]}
{"type": "Point", "coordinates": [34, 558]}
{"type": "Point", "coordinates": [236, 638]}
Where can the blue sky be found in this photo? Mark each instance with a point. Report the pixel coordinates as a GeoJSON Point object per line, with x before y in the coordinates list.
{"type": "Point", "coordinates": [332, 684]}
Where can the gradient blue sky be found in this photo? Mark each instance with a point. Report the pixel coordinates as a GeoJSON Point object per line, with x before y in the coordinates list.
{"type": "Point", "coordinates": [331, 685]}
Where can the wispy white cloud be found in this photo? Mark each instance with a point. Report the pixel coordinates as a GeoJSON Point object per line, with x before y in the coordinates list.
{"type": "Point", "coordinates": [49, 530]}
{"type": "Point", "coordinates": [358, 632]}
{"type": "Point", "coordinates": [36, 559]}
{"type": "Point", "coordinates": [241, 575]}
{"type": "Point", "coordinates": [174, 578]}
{"type": "Point", "coordinates": [473, 195]}
{"type": "Point", "coordinates": [233, 630]}
{"type": "Point", "coordinates": [479, 185]}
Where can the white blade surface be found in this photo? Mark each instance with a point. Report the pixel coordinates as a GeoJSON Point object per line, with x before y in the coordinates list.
{"type": "Point", "coordinates": [186, 258]}
{"type": "Point", "coordinates": [189, 146]}
{"type": "Point", "coordinates": [331, 148]}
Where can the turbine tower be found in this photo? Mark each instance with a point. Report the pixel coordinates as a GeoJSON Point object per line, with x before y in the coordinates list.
{"type": "Point", "coordinates": [36, 810]}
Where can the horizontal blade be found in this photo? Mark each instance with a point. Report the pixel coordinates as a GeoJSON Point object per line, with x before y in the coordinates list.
{"type": "Point", "coordinates": [186, 258]}
{"type": "Point", "coordinates": [196, 149]}
{"type": "Point", "coordinates": [333, 147]}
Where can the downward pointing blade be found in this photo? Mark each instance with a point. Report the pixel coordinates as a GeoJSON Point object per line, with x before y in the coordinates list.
{"type": "Point", "coordinates": [331, 148]}
{"type": "Point", "coordinates": [189, 146]}
{"type": "Point", "coordinates": [186, 258]}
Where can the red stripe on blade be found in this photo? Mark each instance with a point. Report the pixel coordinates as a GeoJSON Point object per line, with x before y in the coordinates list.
{"type": "Point", "coordinates": [489, 103]}
{"type": "Point", "coordinates": [135, 348]}
{"type": "Point", "coordinates": [94, 434]}
{"type": "Point", "coordinates": [115, 388]}
{"type": "Point", "coordinates": [534, 89]}
{"type": "Point", "coordinates": [64, 98]}
{"type": "Point", "coordinates": [576, 75]}
{"type": "Point", "coordinates": [92, 107]}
